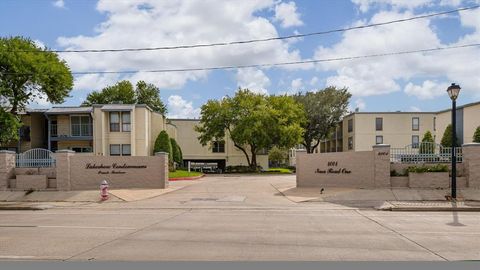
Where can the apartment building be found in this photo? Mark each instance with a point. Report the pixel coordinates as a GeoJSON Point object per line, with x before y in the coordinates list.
{"type": "Point", "coordinates": [122, 130]}
{"type": "Point", "coordinates": [218, 154]}
{"type": "Point", "coordinates": [358, 131]}
{"type": "Point", "coordinates": [33, 133]}
{"type": "Point", "coordinates": [102, 130]}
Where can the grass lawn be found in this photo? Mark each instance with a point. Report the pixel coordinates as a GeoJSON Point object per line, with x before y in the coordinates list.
{"type": "Point", "coordinates": [179, 173]}
{"type": "Point", "coordinates": [279, 170]}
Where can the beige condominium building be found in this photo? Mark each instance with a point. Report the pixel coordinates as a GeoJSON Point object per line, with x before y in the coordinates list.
{"type": "Point", "coordinates": [218, 154]}
{"type": "Point", "coordinates": [121, 130]}
{"type": "Point", "coordinates": [104, 130]}
{"type": "Point", "coordinates": [358, 131]}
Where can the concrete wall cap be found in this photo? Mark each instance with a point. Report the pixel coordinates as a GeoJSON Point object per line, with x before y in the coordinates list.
{"type": "Point", "coordinates": [65, 151]}
{"type": "Point", "coordinates": [161, 153]}
{"type": "Point", "coordinates": [471, 145]}
{"type": "Point", "coordinates": [381, 145]}
{"type": "Point", "coordinates": [6, 152]}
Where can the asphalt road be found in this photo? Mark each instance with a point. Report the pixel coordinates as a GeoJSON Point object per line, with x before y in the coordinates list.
{"type": "Point", "coordinates": [235, 218]}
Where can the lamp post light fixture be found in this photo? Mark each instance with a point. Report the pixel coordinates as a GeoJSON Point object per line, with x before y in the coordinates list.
{"type": "Point", "coordinates": [453, 91]}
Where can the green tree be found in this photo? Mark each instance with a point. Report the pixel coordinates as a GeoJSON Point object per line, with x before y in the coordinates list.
{"type": "Point", "coordinates": [324, 110]}
{"type": "Point", "coordinates": [253, 122]}
{"type": "Point", "coordinates": [447, 137]}
{"type": "Point", "coordinates": [149, 94]}
{"type": "Point", "coordinates": [176, 152]}
{"type": "Point", "coordinates": [428, 144]}
{"type": "Point", "coordinates": [163, 144]}
{"type": "Point", "coordinates": [28, 72]}
{"type": "Point", "coordinates": [121, 92]}
{"type": "Point", "coordinates": [124, 92]}
{"type": "Point", "coordinates": [476, 135]}
{"type": "Point", "coordinates": [9, 125]}
{"type": "Point", "coordinates": [277, 156]}
{"type": "Point", "coordinates": [180, 153]}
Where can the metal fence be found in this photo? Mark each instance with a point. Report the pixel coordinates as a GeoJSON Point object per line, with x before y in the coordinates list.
{"type": "Point", "coordinates": [425, 153]}
{"type": "Point", "coordinates": [35, 158]}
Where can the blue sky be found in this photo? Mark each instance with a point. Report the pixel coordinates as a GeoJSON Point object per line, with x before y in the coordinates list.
{"type": "Point", "coordinates": [408, 83]}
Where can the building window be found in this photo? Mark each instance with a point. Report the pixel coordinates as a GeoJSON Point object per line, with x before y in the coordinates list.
{"type": "Point", "coordinates": [81, 126]}
{"type": "Point", "coordinates": [126, 150]}
{"type": "Point", "coordinates": [434, 123]}
{"type": "Point", "coordinates": [114, 149]}
{"type": "Point", "coordinates": [82, 149]}
{"type": "Point", "coordinates": [126, 121]}
{"type": "Point", "coordinates": [218, 147]}
{"type": "Point", "coordinates": [415, 123]}
{"type": "Point", "coordinates": [415, 141]}
{"type": "Point", "coordinates": [379, 140]}
{"type": "Point", "coordinates": [350, 143]}
{"type": "Point", "coordinates": [114, 121]}
{"type": "Point", "coordinates": [379, 124]}
{"type": "Point", "coordinates": [350, 125]}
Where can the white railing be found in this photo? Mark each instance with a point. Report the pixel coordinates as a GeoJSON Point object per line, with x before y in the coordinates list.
{"type": "Point", "coordinates": [425, 153]}
{"type": "Point", "coordinates": [35, 158]}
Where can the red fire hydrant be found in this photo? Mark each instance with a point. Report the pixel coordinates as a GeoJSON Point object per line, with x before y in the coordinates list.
{"type": "Point", "coordinates": [104, 190]}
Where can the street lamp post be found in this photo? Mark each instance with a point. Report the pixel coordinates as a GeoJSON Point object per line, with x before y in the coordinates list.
{"type": "Point", "coordinates": [453, 91]}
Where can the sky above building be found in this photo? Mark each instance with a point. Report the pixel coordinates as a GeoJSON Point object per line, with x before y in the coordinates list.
{"type": "Point", "coordinates": [408, 82]}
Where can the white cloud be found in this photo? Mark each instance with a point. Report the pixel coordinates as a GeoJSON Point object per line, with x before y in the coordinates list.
{"type": "Point", "coordinates": [314, 81]}
{"type": "Point", "coordinates": [130, 24]}
{"type": "Point", "coordinates": [415, 109]}
{"type": "Point", "coordinates": [360, 104]}
{"type": "Point", "coordinates": [39, 43]}
{"type": "Point", "coordinates": [92, 82]}
{"type": "Point", "coordinates": [365, 5]}
{"type": "Point", "coordinates": [39, 101]}
{"type": "Point", "coordinates": [180, 108]}
{"type": "Point", "coordinates": [297, 84]}
{"type": "Point", "coordinates": [428, 90]}
{"type": "Point", "coordinates": [59, 3]}
{"type": "Point", "coordinates": [383, 75]}
{"type": "Point", "coordinates": [287, 14]}
{"type": "Point", "coordinates": [253, 79]}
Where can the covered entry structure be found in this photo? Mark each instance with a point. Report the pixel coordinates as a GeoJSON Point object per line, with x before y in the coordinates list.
{"type": "Point", "coordinates": [206, 165]}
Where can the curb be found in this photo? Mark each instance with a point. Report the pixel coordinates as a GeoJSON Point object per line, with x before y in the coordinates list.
{"type": "Point", "coordinates": [186, 178]}
{"type": "Point", "coordinates": [24, 207]}
{"type": "Point", "coordinates": [432, 209]}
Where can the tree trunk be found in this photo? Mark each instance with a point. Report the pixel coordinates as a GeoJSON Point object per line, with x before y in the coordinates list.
{"type": "Point", "coordinates": [315, 146]}
{"type": "Point", "coordinates": [254, 160]}
{"type": "Point", "coordinates": [308, 146]}
{"type": "Point", "coordinates": [244, 152]}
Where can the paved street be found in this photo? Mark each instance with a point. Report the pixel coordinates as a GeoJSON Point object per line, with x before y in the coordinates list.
{"type": "Point", "coordinates": [236, 218]}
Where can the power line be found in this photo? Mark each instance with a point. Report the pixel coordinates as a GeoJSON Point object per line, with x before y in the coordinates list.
{"type": "Point", "coordinates": [269, 65]}
{"type": "Point", "coordinates": [257, 40]}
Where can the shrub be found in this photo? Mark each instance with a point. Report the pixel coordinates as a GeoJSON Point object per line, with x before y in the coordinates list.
{"type": "Point", "coordinates": [427, 169]}
{"type": "Point", "coordinates": [395, 173]}
{"type": "Point", "coordinates": [476, 135]}
{"type": "Point", "coordinates": [427, 146]}
{"type": "Point", "coordinates": [277, 156]}
{"type": "Point", "coordinates": [163, 144]}
{"type": "Point", "coordinates": [242, 169]}
{"type": "Point", "coordinates": [447, 137]}
{"type": "Point", "coordinates": [176, 152]}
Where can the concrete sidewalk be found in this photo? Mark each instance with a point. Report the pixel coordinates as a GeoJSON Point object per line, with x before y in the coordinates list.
{"type": "Point", "coordinates": [91, 196]}
{"type": "Point", "coordinates": [431, 206]}
{"type": "Point", "coordinates": [388, 194]}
